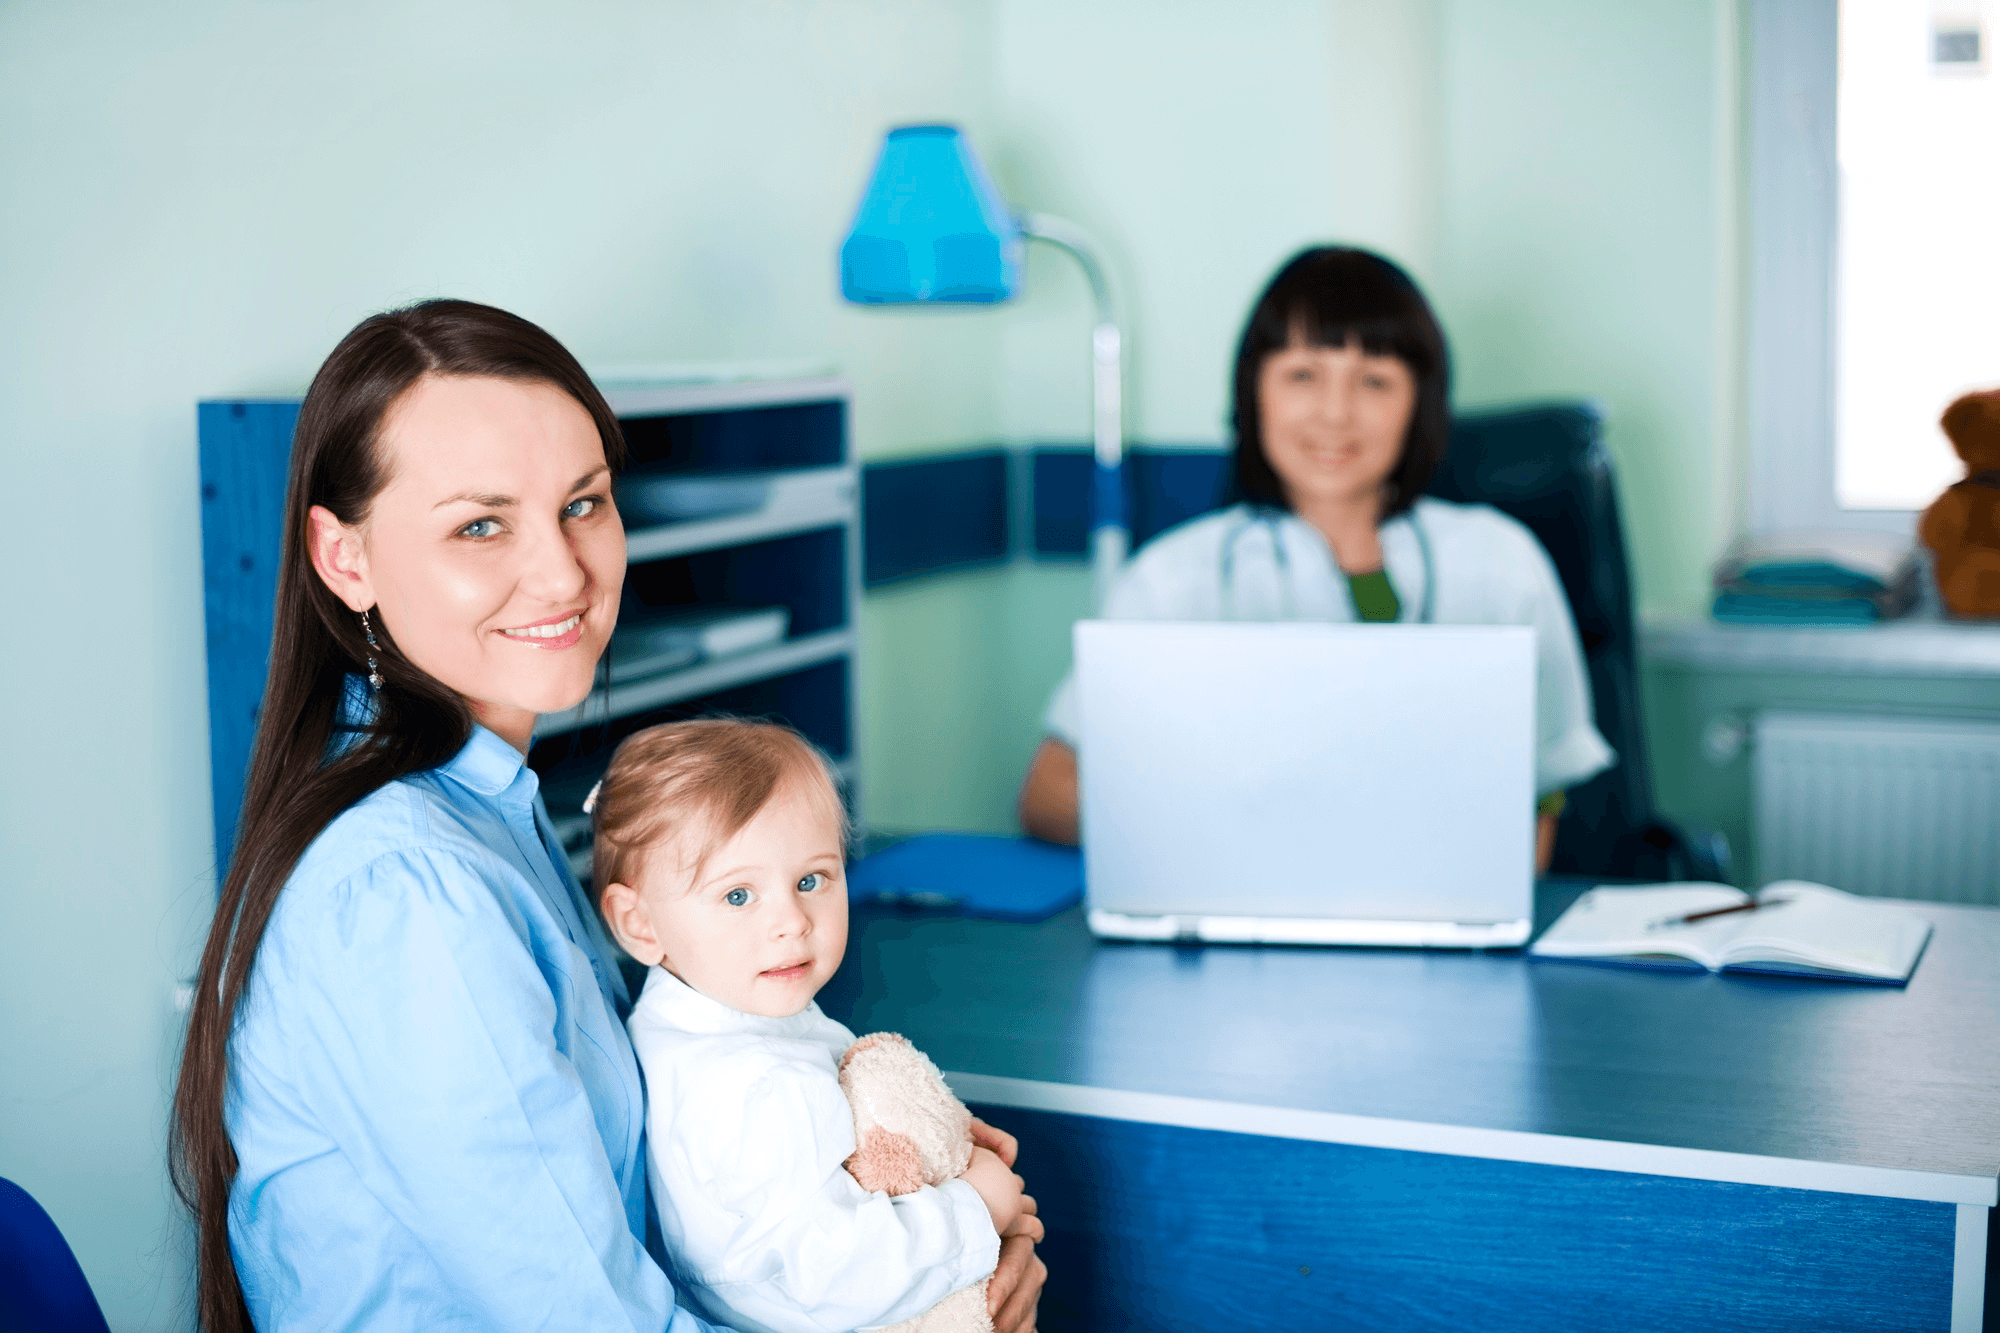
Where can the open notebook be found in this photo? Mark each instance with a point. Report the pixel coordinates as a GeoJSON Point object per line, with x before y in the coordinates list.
{"type": "Point", "coordinates": [1800, 928]}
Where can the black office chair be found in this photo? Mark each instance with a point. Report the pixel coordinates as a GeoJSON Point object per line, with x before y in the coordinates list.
{"type": "Point", "coordinates": [1547, 466]}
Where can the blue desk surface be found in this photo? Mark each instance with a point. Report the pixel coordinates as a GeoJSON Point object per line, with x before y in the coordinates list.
{"type": "Point", "coordinates": [1892, 1092]}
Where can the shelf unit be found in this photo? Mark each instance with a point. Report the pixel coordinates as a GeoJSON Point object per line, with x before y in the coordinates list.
{"type": "Point", "coordinates": [803, 555]}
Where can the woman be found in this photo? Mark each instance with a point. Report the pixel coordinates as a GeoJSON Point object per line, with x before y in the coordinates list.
{"type": "Point", "coordinates": [1342, 415]}
{"type": "Point", "coordinates": [407, 1098]}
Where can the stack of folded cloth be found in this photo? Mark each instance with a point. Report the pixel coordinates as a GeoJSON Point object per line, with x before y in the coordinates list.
{"type": "Point", "coordinates": [1843, 579]}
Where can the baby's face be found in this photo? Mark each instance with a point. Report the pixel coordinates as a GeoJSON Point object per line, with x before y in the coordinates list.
{"type": "Point", "coordinates": [764, 925]}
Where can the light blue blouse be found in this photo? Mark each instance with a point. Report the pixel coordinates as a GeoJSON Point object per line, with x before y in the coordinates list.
{"type": "Point", "coordinates": [436, 1112]}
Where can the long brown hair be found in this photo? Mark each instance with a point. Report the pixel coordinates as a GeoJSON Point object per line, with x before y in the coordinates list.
{"type": "Point", "coordinates": [299, 780]}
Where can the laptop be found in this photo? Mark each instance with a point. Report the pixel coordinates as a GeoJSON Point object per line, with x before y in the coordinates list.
{"type": "Point", "coordinates": [1297, 783]}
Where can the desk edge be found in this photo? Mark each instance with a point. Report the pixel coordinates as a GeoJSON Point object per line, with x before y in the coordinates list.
{"type": "Point", "coordinates": [1506, 1145]}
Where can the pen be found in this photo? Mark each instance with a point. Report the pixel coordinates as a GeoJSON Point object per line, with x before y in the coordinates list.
{"type": "Point", "coordinates": [1693, 917]}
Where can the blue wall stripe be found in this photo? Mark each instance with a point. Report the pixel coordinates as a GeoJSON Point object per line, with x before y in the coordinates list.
{"type": "Point", "coordinates": [1165, 1228]}
{"type": "Point", "coordinates": [1163, 486]}
{"type": "Point", "coordinates": [925, 515]}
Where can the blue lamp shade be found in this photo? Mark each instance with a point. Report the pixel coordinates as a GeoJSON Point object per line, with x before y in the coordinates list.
{"type": "Point", "coordinates": [931, 226]}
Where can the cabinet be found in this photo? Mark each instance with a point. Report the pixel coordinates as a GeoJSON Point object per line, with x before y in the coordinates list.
{"type": "Point", "coordinates": [739, 495]}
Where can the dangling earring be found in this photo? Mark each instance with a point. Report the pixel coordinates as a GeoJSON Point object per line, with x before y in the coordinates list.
{"type": "Point", "coordinates": [374, 674]}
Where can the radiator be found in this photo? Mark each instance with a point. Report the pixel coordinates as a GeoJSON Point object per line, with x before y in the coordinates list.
{"type": "Point", "coordinates": [1907, 807]}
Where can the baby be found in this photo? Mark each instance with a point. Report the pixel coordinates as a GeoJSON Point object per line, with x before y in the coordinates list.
{"type": "Point", "coordinates": [720, 856]}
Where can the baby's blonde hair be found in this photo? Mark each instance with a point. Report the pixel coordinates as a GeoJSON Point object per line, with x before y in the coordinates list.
{"type": "Point", "coordinates": [712, 775]}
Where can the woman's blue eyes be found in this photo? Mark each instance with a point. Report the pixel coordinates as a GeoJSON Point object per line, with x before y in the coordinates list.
{"type": "Point", "coordinates": [481, 529]}
{"type": "Point", "coordinates": [738, 897]}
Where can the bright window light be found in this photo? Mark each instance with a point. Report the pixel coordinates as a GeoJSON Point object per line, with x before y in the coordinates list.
{"type": "Point", "coordinates": [1919, 266]}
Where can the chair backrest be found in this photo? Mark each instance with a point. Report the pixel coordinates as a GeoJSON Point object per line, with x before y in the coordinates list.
{"type": "Point", "coordinates": [1546, 465]}
{"type": "Point", "coordinates": [42, 1288]}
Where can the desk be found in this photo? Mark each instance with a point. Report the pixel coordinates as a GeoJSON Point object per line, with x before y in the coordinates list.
{"type": "Point", "coordinates": [1237, 1137]}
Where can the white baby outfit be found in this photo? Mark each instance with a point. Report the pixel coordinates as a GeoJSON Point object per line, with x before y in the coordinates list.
{"type": "Point", "coordinates": [746, 1131]}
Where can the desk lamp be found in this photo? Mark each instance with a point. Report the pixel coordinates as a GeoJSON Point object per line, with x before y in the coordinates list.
{"type": "Point", "coordinates": [932, 230]}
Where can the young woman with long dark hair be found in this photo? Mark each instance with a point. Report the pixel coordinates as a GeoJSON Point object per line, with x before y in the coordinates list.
{"type": "Point", "coordinates": [1342, 414]}
{"type": "Point", "coordinates": [407, 1099]}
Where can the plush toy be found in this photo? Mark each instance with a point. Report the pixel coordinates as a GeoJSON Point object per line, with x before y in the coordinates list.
{"type": "Point", "coordinates": [1962, 526]}
{"type": "Point", "coordinates": [909, 1132]}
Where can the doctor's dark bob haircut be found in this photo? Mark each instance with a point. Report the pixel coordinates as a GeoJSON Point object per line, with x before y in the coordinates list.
{"type": "Point", "coordinates": [1330, 296]}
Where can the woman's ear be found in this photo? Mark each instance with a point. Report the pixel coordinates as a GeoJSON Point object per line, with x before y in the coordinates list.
{"type": "Point", "coordinates": [339, 559]}
{"type": "Point", "coordinates": [631, 924]}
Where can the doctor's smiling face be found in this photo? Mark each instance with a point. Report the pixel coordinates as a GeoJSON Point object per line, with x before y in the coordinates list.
{"type": "Point", "coordinates": [760, 923]}
{"type": "Point", "coordinates": [493, 556]}
{"type": "Point", "coordinates": [1334, 420]}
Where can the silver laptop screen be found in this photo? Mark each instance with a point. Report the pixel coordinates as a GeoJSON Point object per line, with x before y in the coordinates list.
{"type": "Point", "coordinates": [1366, 772]}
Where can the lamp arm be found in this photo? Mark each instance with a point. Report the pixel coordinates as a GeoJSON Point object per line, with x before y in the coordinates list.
{"type": "Point", "coordinates": [1109, 538]}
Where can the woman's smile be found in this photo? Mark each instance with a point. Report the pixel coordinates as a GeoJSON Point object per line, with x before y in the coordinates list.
{"type": "Point", "coordinates": [563, 631]}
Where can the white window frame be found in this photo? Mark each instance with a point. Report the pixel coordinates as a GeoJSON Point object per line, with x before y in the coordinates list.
{"type": "Point", "coordinates": [1792, 304]}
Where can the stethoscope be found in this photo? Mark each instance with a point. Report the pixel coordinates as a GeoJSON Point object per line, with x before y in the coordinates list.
{"type": "Point", "coordinates": [1267, 518]}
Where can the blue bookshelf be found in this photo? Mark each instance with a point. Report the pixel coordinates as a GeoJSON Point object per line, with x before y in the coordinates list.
{"type": "Point", "coordinates": [781, 529]}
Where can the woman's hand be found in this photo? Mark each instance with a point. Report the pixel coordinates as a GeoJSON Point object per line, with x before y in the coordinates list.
{"type": "Point", "coordinates": [996, 1141]}
{"type": "Point", "coordinates": [1015, 1288]}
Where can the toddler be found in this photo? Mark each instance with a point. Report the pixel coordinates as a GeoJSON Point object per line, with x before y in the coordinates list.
{"type": "Point", "coordinates": [720, 856]}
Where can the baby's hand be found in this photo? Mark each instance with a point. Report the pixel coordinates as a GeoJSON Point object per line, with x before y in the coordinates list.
{"type": "Point", "coordinates": [999, 1188]}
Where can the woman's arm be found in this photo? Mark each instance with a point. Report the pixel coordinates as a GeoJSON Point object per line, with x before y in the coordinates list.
{"type": "Point", "coordinates": [409, 1091]}
{"type": "Point", "coordinates": [1049, 804]}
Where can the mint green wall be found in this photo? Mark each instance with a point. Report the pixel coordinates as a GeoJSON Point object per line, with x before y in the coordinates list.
{"type": "Point", "coordinates": [1589, 229]}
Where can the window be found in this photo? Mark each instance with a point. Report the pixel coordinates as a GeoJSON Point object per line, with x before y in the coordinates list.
{"type": "Point", "coordinates": [1917, 275]}
{"type": "Point", "coordinates": [1873, 252]}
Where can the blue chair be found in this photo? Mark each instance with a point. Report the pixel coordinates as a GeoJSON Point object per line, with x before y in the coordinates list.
{"type": "Point", "coordinates": [1547, 466]}
{"type": "Point", "coordinates": [42, 1288]}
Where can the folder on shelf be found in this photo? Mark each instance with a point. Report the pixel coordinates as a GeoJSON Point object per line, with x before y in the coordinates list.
{"type": "Point", "coordinates": [681, 498]}
{"type": "Point", "coordinates": [651, 644]}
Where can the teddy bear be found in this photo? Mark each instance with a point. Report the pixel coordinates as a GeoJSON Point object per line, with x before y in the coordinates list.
{"type": "Point", "coordinates": [909, 1132]}
{"type": "Point", "coordinates": [1962, 526]}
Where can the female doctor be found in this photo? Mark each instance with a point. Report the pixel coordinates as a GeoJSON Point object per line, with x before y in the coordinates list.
{"type": "Point", "coordinates": [1342, 415]}
{"type": "Point", "coordinates": [407, 1099]}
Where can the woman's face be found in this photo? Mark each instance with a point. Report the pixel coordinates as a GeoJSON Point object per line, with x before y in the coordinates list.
{"type": "Point", "coordinates": [494, 555]}
{"type": "Point", "coordinates": [1334, 420]}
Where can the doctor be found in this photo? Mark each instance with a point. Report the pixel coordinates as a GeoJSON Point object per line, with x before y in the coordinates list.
{"type": "Point", "coordinates": [1342, 415]}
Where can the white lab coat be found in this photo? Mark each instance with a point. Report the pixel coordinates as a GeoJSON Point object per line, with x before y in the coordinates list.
{"type": "Point", "coordinates": [1490, 570]}
{"type": "Point", "coordinates": [746, 1132]}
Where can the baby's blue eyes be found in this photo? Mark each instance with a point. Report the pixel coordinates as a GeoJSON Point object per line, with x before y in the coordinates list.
{"type": "Point", "coordinates": [743, 896]}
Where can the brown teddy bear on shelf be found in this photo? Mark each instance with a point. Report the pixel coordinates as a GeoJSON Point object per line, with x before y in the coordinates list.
{"type": "Point", "coordinates": [1962, 526]}
{"type": "Point", "coordinates": [909, 1132]}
